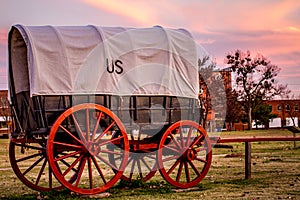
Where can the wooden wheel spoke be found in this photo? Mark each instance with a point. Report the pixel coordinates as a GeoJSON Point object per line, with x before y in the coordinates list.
{"type": "Point", "coordinates": [179, 172]}
{"type": "Point", "coordinates": [131, 159]}
{"type": "Point", "coordinates": [68, 165]}
{"type": "Point", "coordinates": [29, 157]}
{"type": "Point", "coordinates": [132, 168]}
{"type": "Point", "coordinates": [78, 129]}
{"type": "Point", "coordinates": [67, 156]}
{"type": "Point", "coordinates": [194, 168]}
{"type": "Point", "coordinates": [105, 131]}
{"type": "Point", "coordinates": [68, 145]}
{"type": "Point", "coordinates": [96, 126]}
{"type": "Point", "coordinates": [111, 152]}
{"type": "Point", "coordinates": [175, 140]}
{"type": "Point", "coordinates": [173, 166]}
{"type": "Point", "coordinates": [41, 172]}
{"type": "Point", "coordinates": [80, 171]}
{"type": "Point", "coordinates": [72, 165]}
{"type": "Point", "coordinates": [187, 172]}
{"type": "Point", "coordinates": [33, 165]}
{"type": "Point", "coordinates": [172, 149]}
{"type": "Point", "coordinates": [197, 140]}
{"type": "Point", "coordinates": [110, 141]}
{"type": "Point", "coordinates": [189, 136]}
{"type": "Point", "coordinates": [201, 160]}
{"type": "Point", "coordinates": [181, 137]}
{"type": "Point", "coordinates": [170, 158]}
{"type": "Point", "coordinates": [107, 162]}
{"type": "Point", "coordinates": [146, 164]}
{"type": "Point", "coordinates": [151, 156]}
{"type": "Point", "coordinates": [90, 173]}
{"type": "Point", "coordinates": [73, 136]}
{"type": "Point", "coordinates": [31, 147]}
{"type": "Point", "coordinates": [87, 124]}
{"type": "Point", "coordinates": [139, 168]}
{"type": "Point", "coordinates": [98, 169]}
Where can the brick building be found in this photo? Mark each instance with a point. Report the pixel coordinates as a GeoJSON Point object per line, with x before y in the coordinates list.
{"type": "Point", "coordinates": [5, 119]}
{"type": "Point", "coordinates": [287, 111]}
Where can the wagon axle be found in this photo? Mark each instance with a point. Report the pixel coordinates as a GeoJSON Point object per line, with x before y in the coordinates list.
{"type": "Point", "coordinates": [91, 148]}
{"type": "Point", "coordinates": [189, 155]}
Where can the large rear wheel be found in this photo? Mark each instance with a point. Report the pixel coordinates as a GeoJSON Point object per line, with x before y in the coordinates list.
{"type": "Point", "coordinates": [88, 135]}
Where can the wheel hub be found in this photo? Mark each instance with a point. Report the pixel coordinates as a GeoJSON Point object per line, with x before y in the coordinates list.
{"type": "Point", "coordinates": [91, 148]}
{"type": "Point", "coordinates": [189, 155]}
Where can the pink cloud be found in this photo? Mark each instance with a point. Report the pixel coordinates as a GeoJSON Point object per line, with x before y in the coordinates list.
{"type": "Point", "coordinates": [135, 10]}
{"type": "Point", "coordinates": [3, 52]}
{"type": "Point", "coordinates": [3, 35]}
{"type": "Point", "coordinates": [239, 15]}
{"type": "Point", "coordinates": [3, 78]}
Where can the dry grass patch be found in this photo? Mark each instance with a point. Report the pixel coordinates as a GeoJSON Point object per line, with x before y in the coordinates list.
{"type": "Point", "coordinates": [275, 175]}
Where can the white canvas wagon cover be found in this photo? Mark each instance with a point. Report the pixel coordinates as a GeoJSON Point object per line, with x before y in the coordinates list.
{"type": "Point", "coordinates": [66, 60]}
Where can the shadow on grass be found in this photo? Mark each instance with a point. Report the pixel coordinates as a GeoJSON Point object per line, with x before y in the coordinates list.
{"type": "Point", "coordinates": [122, 189]}
{"type": "Point", "coordinates": [240, 182]}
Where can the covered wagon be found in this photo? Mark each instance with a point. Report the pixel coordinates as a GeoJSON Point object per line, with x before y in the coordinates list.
{"type": "Point", "coordinates": [94, 105]}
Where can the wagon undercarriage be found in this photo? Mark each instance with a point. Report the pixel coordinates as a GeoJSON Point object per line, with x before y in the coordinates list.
{"type": "Point", "coordinates": [88, 150]}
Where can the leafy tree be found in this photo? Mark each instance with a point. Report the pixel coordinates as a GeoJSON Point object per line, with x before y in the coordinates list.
{"type": "Point", "coordinates": [262, 114]}
{"type": "Point", "coordinates": [234, 108]}
{"type": "Point", "coordinates": [255, 79]}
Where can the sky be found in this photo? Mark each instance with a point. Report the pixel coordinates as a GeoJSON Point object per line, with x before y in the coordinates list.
{"type": "Point", "coordinates": [268, 27]}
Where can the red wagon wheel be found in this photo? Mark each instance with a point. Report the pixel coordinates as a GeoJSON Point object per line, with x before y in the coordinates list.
{"type": "Point", "coordinates": [184, 154]}
{"type": "Point", "coordinates": [29, 162]}
{"type": "Point", "coordinates": [140, 166]}
{"type": "Point", "coordinates": [87, 135]}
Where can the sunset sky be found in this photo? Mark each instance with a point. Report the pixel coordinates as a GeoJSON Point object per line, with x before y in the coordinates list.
{"type": "Point", "coordinates": [269, 27]}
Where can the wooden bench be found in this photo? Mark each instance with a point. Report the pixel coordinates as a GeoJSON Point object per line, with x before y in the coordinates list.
{"type": "Point", "coordinates": [248, 141]}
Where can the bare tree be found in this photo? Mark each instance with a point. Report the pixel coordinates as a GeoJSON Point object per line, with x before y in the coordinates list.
{"type": "Point", "coordinates": [291, 106]}
{"type": "Point", "coordinates": [255, 79]}
{"type": "Point", "coordinates": [204, 95]}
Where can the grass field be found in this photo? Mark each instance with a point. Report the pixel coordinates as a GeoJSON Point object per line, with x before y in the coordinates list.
{"type": "Point", "coordinates": [275, 175]}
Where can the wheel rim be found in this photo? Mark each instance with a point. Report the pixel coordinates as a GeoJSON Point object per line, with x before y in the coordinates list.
{"type": "Point", "coordinates": [184, 154]}
{"type": "Point", "coordinates": [29, 162]}
{"type": "Point", "coordinates": [85, 135]}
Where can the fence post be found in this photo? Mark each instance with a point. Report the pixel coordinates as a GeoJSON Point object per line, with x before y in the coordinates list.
{"type": "Point", "coordinates": [247, 160]}
{"type": "Point", "coordinates": [295, 144]}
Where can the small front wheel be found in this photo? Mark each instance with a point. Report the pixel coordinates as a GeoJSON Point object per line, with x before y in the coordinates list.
{"type": "Point", "coordinates": [184, 154]}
